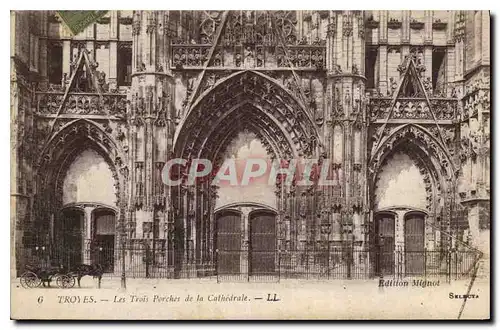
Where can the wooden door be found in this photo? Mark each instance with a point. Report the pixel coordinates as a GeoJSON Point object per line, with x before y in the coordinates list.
{"type": "Point", "coordinates": [228, 243]}
{"type": "Point", "coordinates": [262, 243]}
{"type": "Point", "coordinates": [69, 239]}
{"type": "Point", "coordinates": [385, 244]}
{"type": "Point", "coordinates": [414, 244]}
{"type": "Point", "coordinates": [104, 240]}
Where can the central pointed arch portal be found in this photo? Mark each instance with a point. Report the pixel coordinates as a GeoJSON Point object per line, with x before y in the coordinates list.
{"type": "Point", "coordinates": [244, 101]}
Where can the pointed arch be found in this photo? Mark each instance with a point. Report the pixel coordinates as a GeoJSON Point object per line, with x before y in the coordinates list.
{"type": "Point", "coordinates": [244, 100]}
{"type": "Point", "coordinates": [79, 128]}
{"type": "Point", "coordinates": [277, 142]}
{"type": "Point", "coordinates": [255, 207]}
{"type": "Point", "coordinates": [429, 156]}
{"type": "Point", "coordinates": [417, 135]}
{"type": "Point", "coordinates": [224, 81]}
{"type": "Point", "coordinates": [64, 147]}
{"type": "Point", "coordinates": [277, 108]}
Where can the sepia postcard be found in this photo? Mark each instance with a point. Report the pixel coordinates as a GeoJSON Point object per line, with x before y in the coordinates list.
{"type": "Point", "coordinates": [250, 164]}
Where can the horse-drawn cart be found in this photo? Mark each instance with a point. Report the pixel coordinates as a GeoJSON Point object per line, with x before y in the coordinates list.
{"type": "Point", "coordinates": [34, 276]}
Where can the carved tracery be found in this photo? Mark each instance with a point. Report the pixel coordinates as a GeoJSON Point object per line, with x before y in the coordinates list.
{"type": "Point", "coordinates": [419, 136]}
{"type": "Point", "coordinates": [271, 106]}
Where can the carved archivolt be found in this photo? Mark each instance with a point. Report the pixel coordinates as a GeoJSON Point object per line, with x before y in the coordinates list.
{"type": "Point", "coordinates": [250, 117]}
{"type": "Point", "coordinates": [66, 145]}
{"type": "Point", "coordinates": [412, 135]}
{"type": "Point", "coordinates": [247, 99]}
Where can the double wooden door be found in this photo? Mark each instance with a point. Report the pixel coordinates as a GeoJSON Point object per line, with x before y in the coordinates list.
{"type": "Point", "coordinates": [414, 245]}
{"type": "Point", "coordinates": [261, 254]}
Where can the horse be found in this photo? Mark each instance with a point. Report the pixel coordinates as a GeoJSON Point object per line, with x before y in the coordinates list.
{"type": "Point", "coordinates": [94, 270]}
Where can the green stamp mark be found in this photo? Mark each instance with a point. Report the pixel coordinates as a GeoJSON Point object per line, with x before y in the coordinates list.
{"type": "Point", "coordinates": [78, 20]}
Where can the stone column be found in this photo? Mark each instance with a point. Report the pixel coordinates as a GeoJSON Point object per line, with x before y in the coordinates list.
{"type": "Point", "coordinates": [89, 36]}
{"type": "Point", "coordinates": [428, 63]}
{"type": "Point", "coordinates": [382, 52]}
{"type": "Point", "coordinates": [485, 37]}
{"type": "Point", "coordinates": [345, 109]}
{"type": "Point", "coordinates": [113, 49]}
{"type": "Point", "coordinates": [152, 95]}
{"type": "Point", "coordinates": [459, 37]}
{"type": "Point", "coordinates": [66, 59]}
{"type": "Point", "coordinates": [479, 230]}
{"type": "Point", "coordinates": [43, 50]}
{"type": "Point", "coordinates": [427, 25]}
{"type": "Point", "coordinates": [15, 208]}
{"type": "Point", "coordinates": [405, 27]}
{"type": "Point", "coordinates": [476, 151]}
{"type": "Point", "coordinates": [87, 235]}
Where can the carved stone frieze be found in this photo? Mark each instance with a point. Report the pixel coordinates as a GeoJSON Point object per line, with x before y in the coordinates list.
{"type": "Point", "coordinates": [83, 104]}
{"type": "Point", "coordinates": [412, 108]}
{"type": "Point", "coordinates": [250, 39]}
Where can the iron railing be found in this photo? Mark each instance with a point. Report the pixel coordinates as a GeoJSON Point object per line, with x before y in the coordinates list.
{"type": "Point", "coordinates": [240, 265]}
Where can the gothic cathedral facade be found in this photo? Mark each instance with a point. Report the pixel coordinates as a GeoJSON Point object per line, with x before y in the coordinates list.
{"type": "Point", "coordinates": [397, 101]}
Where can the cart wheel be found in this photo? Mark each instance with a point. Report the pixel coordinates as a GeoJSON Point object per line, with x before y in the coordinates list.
{"type": "Point", "coordinates": [72, 278]}
{"type": "Point", "coordinates": [71, 281]}
{"type": "Point", "coordinates": [65, 281]}
{"type": "Point", "coordinates": [30, 280]}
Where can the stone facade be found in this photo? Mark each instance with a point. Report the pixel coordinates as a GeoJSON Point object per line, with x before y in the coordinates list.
{"type": "Point", "coordinates": [397, 101]}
